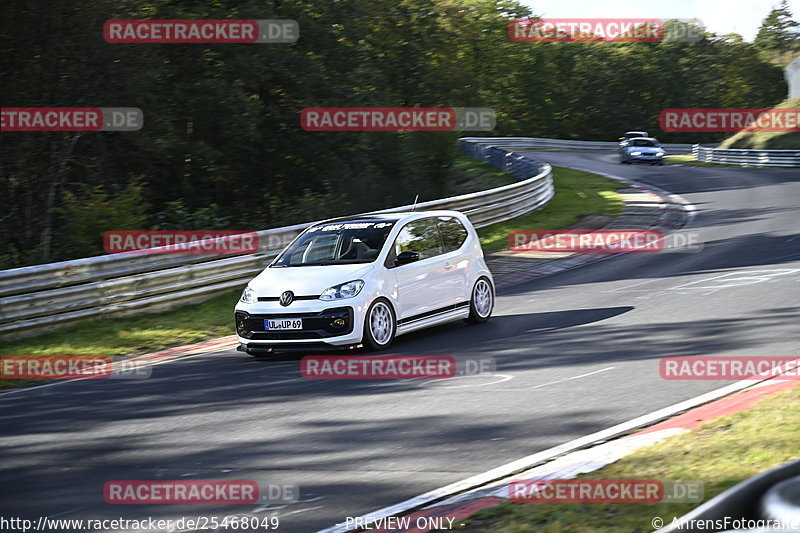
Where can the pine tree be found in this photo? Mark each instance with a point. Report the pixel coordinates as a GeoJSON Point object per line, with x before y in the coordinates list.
{"type": "Point", "coordinates": [779, 32]}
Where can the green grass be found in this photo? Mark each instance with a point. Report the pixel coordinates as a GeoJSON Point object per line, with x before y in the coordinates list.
{"type": "Point", "coordinates": [719, 454]}
{"type": "Point", "coordinates": [766, 140]}
{"type": "Point", "coordinates": [577, 193]}
{"type": "Point", "coordinates": [135, 335]}
{"type": "Point", "coordinates": [468, 175]}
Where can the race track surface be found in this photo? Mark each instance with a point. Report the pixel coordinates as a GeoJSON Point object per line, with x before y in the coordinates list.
{"type": "Point", "coordinates": [576, 352]}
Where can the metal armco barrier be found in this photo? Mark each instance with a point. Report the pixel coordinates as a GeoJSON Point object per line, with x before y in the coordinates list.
{"type": "Point", "coordinates": [747, 158]}
{"type": "Point", "coordinates": [534, 143]}
{"type": "Point", "coordinates": [41, 298]}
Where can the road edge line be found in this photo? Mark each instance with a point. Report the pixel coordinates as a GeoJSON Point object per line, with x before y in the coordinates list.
{"type": "Point", "coordinates": [537, 459]}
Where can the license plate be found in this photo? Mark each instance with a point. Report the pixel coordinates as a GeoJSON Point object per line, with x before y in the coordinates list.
{"type": "Point", "coordinates": [282, 323]}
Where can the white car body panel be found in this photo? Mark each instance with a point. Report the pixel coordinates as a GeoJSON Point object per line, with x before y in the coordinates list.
{"type": "Point", "coordinates": [422, 293]}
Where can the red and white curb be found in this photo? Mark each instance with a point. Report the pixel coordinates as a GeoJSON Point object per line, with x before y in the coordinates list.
{"type": "Point", "coordinates": [213, 345]}
{"type": "Point", "coordinates": [149, 359]}
{"type": "Point", "coordinates": [585, 454]}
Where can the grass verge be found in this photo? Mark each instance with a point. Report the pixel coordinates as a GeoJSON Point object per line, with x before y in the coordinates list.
{"type": "Point", "coordinates": [468, 175]}
{"type": "Point", "coordinates": [134, 335]}
{"type": "Point", "coordinates": [719, 454]}
{"type": "Point", "coordinates": [766, 140]}
{"type": "Point", "coordinates": [577, 193]}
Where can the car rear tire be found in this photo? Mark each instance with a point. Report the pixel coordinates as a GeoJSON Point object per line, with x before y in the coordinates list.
{"type": "Point", "coordinates": [380, 325]}
{"type": "Point", "coordinates": [481, 304]}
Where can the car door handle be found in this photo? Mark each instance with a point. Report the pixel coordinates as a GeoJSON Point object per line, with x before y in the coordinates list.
{"type": "Point", "coordinates": [448, 266]}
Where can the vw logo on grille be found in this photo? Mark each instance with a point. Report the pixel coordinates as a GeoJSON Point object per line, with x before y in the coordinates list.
{"type": "Point", "coordinates": [287, 297]}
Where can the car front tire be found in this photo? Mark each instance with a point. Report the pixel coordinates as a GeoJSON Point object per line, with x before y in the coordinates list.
{"type": "Point", "coordinates": [380, 325]}
{"type": "Point", "coordinates": [481, 304]}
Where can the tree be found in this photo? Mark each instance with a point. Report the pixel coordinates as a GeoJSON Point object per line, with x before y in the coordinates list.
{"type": "Point", "coordinates": [778, 33]}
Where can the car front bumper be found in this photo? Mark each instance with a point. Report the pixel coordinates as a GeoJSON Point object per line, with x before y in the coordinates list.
{"type": "Point", "coordinates": [331, 324]}
{"type": "Point", "coordinates": [646, 158]}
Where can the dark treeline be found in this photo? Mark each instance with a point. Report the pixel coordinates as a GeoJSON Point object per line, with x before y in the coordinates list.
{"type": "Point", "coordinates": [222, 146]}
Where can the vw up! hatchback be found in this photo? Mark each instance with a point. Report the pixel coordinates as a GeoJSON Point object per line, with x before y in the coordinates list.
{"type": "Point", "coordinates": [363, 280]}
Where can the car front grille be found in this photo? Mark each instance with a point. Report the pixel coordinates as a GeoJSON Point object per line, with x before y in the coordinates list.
{"type": "Point", "coordinates": [315, 325]}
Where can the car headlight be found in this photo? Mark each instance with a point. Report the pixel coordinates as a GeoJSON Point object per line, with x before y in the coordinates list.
{"type": "Point", "coordinates": [636, 153]}
{"type": "Point", "coordinates": [342, 291]}
{"type": "Point", "coordinates": [659, 153]}
{"type": "Point", "coordinates": [249, 296]}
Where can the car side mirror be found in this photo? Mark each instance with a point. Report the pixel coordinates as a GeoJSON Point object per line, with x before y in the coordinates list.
{"type": "Point", "coordinates": [403, 258]}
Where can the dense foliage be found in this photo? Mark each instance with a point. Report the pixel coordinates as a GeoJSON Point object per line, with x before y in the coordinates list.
{"type": "Point", "coordinates": [222, 147]}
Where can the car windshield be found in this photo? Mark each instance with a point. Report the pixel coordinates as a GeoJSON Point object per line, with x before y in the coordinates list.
{"type": "Point", "coordinates": [337, 243]}
{"type": "Point", "coordinates": [644, 142]}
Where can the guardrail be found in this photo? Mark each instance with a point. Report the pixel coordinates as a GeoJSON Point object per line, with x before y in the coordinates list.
{"type": "Point", "coordinates": [535, 143]}
{"type": "Point", "coordinates": [710, 154]}
{"type": "Point", "coordinates": [747, 158]}
{"type": "Point", "coordinates": [41, 298]}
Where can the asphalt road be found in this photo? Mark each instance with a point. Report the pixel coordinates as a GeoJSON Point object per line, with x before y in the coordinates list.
{"type": "Point", "coordinates": [575, 352]}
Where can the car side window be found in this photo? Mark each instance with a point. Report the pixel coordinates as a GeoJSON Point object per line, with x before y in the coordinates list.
{"type": "Point", "coordinates": [421, 236]}
{"type": "Point", "coordinates": [453, 233]}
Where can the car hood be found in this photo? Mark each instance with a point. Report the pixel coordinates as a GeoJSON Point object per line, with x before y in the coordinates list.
{"type": "Point", "coordinates": [306, 280]}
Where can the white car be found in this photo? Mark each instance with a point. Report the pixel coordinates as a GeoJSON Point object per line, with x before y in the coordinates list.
{"type": "Point", "coordinates": [628, 135]}
{"type": "Point", "coordinates": [363, 280]}
{"type": "Point", "coordinates": [642, 150]}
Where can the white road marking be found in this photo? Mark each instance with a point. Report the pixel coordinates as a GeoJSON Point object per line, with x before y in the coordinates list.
{"type": "Point", "coordinates": [443, 383]}
{"type": "Point", "coordinates": [531, 461]}
{"type": "Point", "coordinates": [564, 380]}
{"type": "Point", "coordinates": [734, 279]}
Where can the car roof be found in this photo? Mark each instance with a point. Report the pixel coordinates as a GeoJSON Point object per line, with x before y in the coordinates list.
{"type": "Point", "coordinates": [401, 216]}
{"type": "Point", "coordinates": [636, 131]}
{"type": "Point", "coordinates": [645, 138]}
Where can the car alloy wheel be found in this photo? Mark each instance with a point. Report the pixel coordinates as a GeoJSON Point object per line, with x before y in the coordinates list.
{"type": "Point", "coordinates": [482, 302]}
{"type": "Point", "coordinates": [379, 326]}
